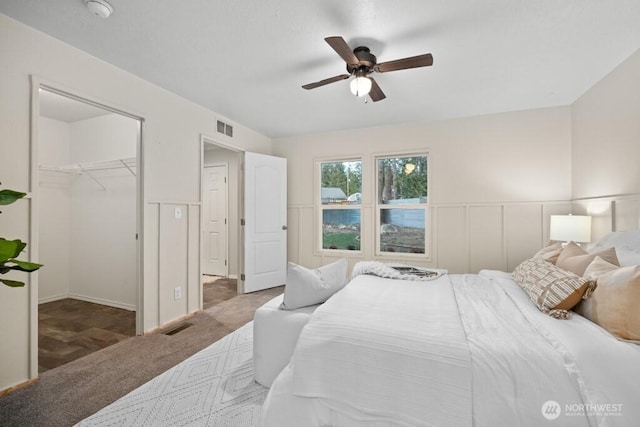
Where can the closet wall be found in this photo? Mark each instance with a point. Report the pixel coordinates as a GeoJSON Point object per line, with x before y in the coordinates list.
{"type": "Point", "coordinates": [88, 219]}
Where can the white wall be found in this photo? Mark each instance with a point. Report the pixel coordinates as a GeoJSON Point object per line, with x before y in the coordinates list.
{"type": "Point", "coordinates": [55, 216]}
{"type": "Point", "coordinates": [87, 233]}
{"type": "Point", "coordinates": [232, 158]}
{"type": "Point", "coordinates": [606, 150]}
{"type": "Point", "coordinates": [606, 135]}
{"type": "Point", "coordinates": [103, 265]}
{"type": "Point", "coordinates": [171, 173]}
{"type": "Point", "coordinates": [494, 181]}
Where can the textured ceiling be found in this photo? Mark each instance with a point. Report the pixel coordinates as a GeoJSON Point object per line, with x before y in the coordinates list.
{"type": "Point", "coordinates": [247, 59]}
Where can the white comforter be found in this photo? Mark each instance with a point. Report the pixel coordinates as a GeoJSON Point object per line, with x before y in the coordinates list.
{"type": "Point", "coordinates": [462, 350]}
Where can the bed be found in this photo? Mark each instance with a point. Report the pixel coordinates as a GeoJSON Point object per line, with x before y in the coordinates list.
{"type": "Point", "coordinates": [461, 350]}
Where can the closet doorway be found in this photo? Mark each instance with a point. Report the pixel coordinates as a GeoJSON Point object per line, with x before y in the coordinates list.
{"type": "Point", "coordinates": [87, 222]}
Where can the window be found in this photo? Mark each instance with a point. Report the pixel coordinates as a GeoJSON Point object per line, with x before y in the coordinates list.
{"type": "Point", "coordinates": [340, 207]}
{"type": "Point", "coordinates": [401, 204]}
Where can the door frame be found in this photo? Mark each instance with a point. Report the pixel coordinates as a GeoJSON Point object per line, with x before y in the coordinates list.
{"type": "Point", "coordinates": [226, 211]}
{"type": "Point", "coordinates": [37, 84]}
{"type": "Point", "coordinates": [207, 139]}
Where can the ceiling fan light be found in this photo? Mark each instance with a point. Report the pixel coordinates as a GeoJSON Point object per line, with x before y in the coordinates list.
{"type": "Point", "coordinates": [360, 86]}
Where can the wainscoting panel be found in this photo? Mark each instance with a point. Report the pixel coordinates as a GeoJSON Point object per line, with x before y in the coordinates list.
{"type": "Point", "coordinates": [193, 292]}
{"type": "Point", "coordinates": [523, 232]}
{"type": "Point", "coordinates": [486, 238]}
{"type": "Point", "coordinates": [150, 291]}
{"type": "Point", "coordinates": [172, 259]}
{"type": "Point", "coordinates": [464, 238]}
{"type": "Point", "coordinates": [610, 213]}
{"type": "Point", "coordinates": [450, 245]}
{"type": "Point", "coordinates": [293, 230]}
{"type": "Point", "coordinates": [627, 214]}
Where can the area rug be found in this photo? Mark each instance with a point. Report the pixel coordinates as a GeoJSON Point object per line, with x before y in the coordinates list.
{"type": "Point", "coordinates": [214, 387]}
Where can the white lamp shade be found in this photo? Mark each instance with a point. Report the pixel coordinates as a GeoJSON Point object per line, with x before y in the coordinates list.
{"type": "Point", "coordinates": [567, 228]}
{"type": "Point", "coordinates": [360, 86]}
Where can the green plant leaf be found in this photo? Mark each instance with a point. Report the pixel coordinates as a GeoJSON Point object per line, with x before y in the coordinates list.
{"type": "Point", "coordinates": [10, 249]}
{"type": "Point", "coordinates": [9, 196]}
{"type": "Point", "coordinates": [24, 265]}
{"type": "Point", "coordinates": [12, 283]}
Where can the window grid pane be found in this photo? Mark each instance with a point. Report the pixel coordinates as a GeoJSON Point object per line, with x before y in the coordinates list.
{"type": "Point", "coordinates": [341, 229]}
{"type": "Point", "coordinates": [402, 230]}
{"type": "Point", "coordinates": [402, 198]}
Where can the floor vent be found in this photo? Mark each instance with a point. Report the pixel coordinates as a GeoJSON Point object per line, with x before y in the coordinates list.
{"type": "Point", "coordinates": [177, 329]}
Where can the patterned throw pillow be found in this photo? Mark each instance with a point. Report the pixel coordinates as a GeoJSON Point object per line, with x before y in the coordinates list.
{"type": "Point", "coordinates": [548, 286]}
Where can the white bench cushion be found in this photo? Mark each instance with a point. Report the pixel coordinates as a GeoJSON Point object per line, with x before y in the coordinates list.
{"type": "Point", "coordinates": [275, 334]}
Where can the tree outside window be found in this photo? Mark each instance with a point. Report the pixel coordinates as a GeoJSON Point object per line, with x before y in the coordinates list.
{"type": "Point", "coordinates": [341, 197]}
{"type": "Point", "coordinates": [402, 201]}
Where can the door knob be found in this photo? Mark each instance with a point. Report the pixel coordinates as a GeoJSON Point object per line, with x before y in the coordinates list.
{"type": "Point", "coordinates": [284, 227]}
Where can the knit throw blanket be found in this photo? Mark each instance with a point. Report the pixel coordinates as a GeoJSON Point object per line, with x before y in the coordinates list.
{"type": "Point", "coordinates": [396, 271]}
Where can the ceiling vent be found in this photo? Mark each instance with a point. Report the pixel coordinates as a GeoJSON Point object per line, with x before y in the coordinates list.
{"type": "Point", "coordinates": [225, 129]}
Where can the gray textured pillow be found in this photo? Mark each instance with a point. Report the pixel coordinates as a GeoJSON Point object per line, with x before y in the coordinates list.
{"type": "Point", "coordinates": [548, 286]}
{"type": "Point", "coordinates": [310, 287]}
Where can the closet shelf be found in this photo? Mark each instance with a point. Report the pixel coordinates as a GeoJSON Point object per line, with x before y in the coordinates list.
{"type": "Point", "coordinates": [128, 163]}
{"type": "Point", "coordinates": [86, 168]}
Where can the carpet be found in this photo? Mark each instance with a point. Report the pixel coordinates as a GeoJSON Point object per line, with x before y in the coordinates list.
{"type": "Point", "coordinates": [214, 387]}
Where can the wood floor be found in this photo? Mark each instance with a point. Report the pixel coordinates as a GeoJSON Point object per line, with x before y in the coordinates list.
{"type": "Point", "coordinates": [69, 329]}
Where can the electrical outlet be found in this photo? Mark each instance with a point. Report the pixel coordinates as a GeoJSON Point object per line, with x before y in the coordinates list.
{"type": "Point", "coordinates": [177, 293]}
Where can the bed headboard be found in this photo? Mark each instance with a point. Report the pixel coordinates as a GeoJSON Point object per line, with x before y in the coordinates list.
{"type": "Point", "coordinates": [627, 244]}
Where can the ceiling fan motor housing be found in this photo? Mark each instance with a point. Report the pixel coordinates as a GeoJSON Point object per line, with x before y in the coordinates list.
{"type": "Point", "coordinates": [366, 61]}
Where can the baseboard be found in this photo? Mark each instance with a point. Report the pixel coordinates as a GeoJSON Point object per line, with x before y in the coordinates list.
{"type": "Point", "coordinates": [115, 304]}
{"type": "Point", "coordinates": [10, 390]}
{"type": "Point", "coordinates": [233, 276]}
{"type": "Point", "coordinates": [52, 298]}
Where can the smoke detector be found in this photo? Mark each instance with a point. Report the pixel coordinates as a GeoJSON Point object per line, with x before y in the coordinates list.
{"type": "Point", "coordinates": [100, 8]}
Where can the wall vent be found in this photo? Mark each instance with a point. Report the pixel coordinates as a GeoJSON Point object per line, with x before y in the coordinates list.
{"type": "Point", "coordinates": [225, 128]}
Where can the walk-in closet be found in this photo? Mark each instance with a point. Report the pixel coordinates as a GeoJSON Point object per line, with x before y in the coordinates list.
{"type": "Point", "coordinates": [87, 198]}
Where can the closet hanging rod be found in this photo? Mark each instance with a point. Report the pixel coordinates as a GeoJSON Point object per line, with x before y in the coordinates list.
{"type": "Point", "coordinates": [128, 163]}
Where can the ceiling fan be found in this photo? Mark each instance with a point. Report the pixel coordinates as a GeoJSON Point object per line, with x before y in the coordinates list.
{"type": "Point", "coordinates": [361, 62]}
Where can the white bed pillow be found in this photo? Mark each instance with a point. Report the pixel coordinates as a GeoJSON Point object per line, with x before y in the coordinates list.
{"type": "Point", "coordinates": [306, 287]}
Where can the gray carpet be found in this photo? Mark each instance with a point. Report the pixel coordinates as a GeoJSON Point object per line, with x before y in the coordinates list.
{"type": "Point", "coordinates": [214, 387]}
{"type": "Point", "coordinates": [68, 394]}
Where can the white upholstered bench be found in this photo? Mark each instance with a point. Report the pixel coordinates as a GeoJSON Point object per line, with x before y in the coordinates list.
{"type": "Point", "coordinates": [275, 334]}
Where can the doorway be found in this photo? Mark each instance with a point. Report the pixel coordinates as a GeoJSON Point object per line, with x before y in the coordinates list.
{"type": "Point", "coordinates": [86, 220]}
{"type": "Point", "coordinates": [215, 208]}
{"type": "Point", "coordinates": [220, 223]}
{"type": "Point", "coordinates": [257, 226]}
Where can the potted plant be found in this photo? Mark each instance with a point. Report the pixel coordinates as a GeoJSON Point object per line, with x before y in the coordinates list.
{"type": "Point", "coordinates": [11, 249]}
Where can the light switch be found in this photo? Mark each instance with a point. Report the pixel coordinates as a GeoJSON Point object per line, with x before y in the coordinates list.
{"type": "Point", "coordinates": [177, 213]}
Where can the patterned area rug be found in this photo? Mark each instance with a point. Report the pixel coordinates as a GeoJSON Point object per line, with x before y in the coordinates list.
{"type": "Point", "coordinates": [214, 387]}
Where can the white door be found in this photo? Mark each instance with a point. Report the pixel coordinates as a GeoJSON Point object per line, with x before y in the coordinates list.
{"type": "Point", "coordinates": [214, 230]}
{"type": "Point", "coordinates": [265, 230]}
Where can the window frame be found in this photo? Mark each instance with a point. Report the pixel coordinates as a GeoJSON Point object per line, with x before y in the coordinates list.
{"type": "Point", "coordinates": [320, 207]}
{"type": "Point", "coordinates": [378, 207]}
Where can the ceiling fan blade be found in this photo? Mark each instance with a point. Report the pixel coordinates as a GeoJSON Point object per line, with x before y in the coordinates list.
{"type": "Point", "coordinates": [376, 94]}
{"type": "Point", "coordinates": [342, 48]}
{"type": "Point", "coordinates": [405, 63]}
{"type": "Point", "coordinates": [326, 81]}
